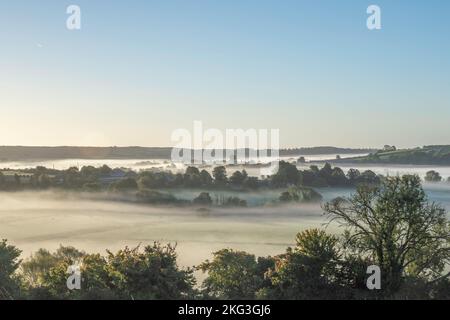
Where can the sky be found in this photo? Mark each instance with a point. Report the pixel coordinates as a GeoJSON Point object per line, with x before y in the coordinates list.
{"type": "Point", "coordinates": [138, 70]}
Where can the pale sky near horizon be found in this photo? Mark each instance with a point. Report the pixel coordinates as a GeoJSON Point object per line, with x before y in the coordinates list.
{"type": "Point", "coordinates": [137, 70]}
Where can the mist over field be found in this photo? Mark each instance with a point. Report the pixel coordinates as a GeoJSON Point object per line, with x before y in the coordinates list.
{"type": "Point", "coordinates": [47, 219]}
{"type": "Point", "coordinates": [95, 222]}
{"type": "Point", "coordinates": [33, 220]}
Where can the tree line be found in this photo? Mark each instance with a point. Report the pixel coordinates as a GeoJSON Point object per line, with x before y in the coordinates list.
{"type": "Point", "coordinates": [90, 178]}
{"type": "Point", "coordinates": [149, 186]}
{"type": "Point", "coordinates": [434, 176]}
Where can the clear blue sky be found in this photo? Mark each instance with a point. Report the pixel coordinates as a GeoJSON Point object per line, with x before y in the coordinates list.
{"type": "Point", "coordinates": [137, 70]}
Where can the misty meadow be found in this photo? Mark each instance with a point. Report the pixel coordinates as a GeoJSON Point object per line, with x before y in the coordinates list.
{"type": "Point", "coordinates": [215, 224]}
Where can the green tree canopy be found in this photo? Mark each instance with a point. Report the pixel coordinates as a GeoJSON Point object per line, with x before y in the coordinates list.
{"type": "Point", "coordinates": [397, 228]}
{"type": "Point", "coordinates": [233, 275]}
{"type": "Point", "coordinates": [220, 175]}
{"type": "Point", "coordinates": [9, 263]}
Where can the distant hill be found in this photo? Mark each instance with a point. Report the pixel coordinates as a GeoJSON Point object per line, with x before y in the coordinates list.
{"type": "Point", "coordinates": [427, 155]}
{"type": "Point", "coordinates": [18, 153]}
{"type": "Point", "coordinates": [323, 150]}
{"type": "Point", "coordinates": [15, 153]}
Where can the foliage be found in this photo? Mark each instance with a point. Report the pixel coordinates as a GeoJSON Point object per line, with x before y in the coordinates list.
{"type": "Point", "coordinates": [287, 175]}
{"type": "Point", "coordinates": [203, 199]}
{"type": "Point", "coordinates": [128, 184]}
{"type": "Point", "coordinates": [220, 175]}
{"type": "Point", "coordinates": [9, 262]}
{"type": "Point", "coordinates": [397, 228]}
{"type": "Point", "coordinates": [433, 176]}
{"type": "Point", "coordinates": [234, 202]}
{"type": "Point", "coordinates": [300, 194]}
{"type": "Point", "coordinates": [155, 197]}
{"type": "Point", "coordinates": [309, 270]}
{"type": "Point", "coordinates": [92, 179]}
{"type": "Point", "coordinates": [151, 273]}
{"type": "Point", "coordinates": [233, 275]}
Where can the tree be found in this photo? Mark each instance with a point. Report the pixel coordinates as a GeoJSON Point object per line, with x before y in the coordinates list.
{"type": "Point", "coordinates": [149, 274]}
{"type": "Point", "coordinates": [395, 227]}
{"type": "Point", "coordinates": [220, 175]}
{"type": "Point", "coordinates": [388, 148]}
{"type": "Point", "coordinates": [233, 275]}
{"type": "Point", "coordinates": [9, 262]}
{"type": "Point", "coordinates": [368, 177]}
{"type": "Point", "coordinates": [105, 170]}
{"type": "Point", "coordinates": [155, 197]}
{"type": "Point", "coordinates": [192, 171]}
{"type": "Point", "coordinates": [205, 178]}
{"type": "Point", "coordinates": [286, 175]}
{"type": "Point", "coordinates": [203, 199]}
{"type": "Point", "coordinates": [92, 187]}
{"type": "Point", "coordinates": [127, 184]}
{"type": "Point", "coordinates": [326, 171]}
{"type": "Point", "coordinates": [96, 281]}
{"type": "Point", "coordinates": [238, 178]}
{"type": "Point", "coordinates": [300, 194]}
{"type": "Point", "coordinates": [353, 175]}
{"type": "Point", "coordinates": [37, 266]}
{"type": "Point", "coordinates": [315, 177]}
{"type": "Point", "coordinates": [34, 268]}
{"type": "Point", "coordinates": [234, 202]}
{"type": "Point", "coordinates": [158, 179]}
{"type": "Point", "coordinates": [130, 273]}
{"type": "Point", "coordinates": [338, 177]}
{"type": "Point", "coordinates": [72, 178]}
{"type": "Point", "coordinates": [307, 271]}
{"type": "Point", "coordinates": [192, 177]}
{"type": "Point", "coordinates": [252, 183]}
{"type": "Point", "coordinates": [44, 181]}
{"type": "Point", "coordinates": [314, 168]}
{"type": "Point", "coordinates": [17, 180]}
{"type": "Point", "coordinates": [433, 176]}
{"type": "Point", "coordinates": [89, 173]}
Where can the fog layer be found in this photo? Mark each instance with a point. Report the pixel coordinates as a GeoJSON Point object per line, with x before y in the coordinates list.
{"type": "Point", "coordinates": [33, 220]}
{"type": "Point", "coordinates": [46, 220]}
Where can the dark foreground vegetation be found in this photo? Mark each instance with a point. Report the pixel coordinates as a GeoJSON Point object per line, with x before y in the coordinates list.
{"type": "Point", "coordinates": [391, 225]}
